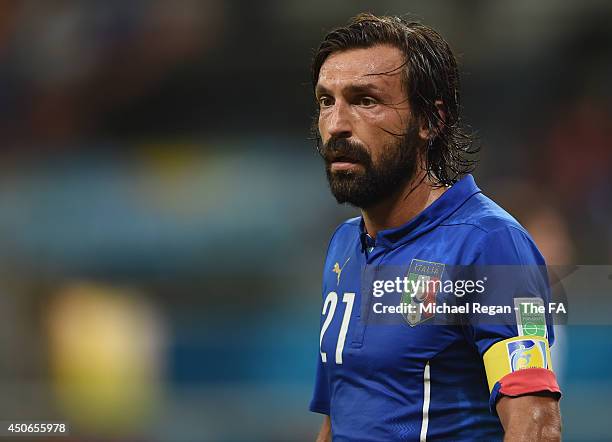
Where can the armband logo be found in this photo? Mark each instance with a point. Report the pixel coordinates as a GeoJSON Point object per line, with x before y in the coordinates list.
{"type": "Point", "coordinates": [514, 354]}
{"type": "Point", "coordinates": [527, 353]}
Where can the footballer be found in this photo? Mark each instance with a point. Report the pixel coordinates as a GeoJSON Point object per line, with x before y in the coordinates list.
{"type": "Point", "coordinates": [389, 133]}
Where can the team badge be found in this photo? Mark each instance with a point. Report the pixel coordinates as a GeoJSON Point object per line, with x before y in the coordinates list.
{"type": "Point", "coordinates": [424, 278]}
{"type": "Point", "coordinates": [527, 353]}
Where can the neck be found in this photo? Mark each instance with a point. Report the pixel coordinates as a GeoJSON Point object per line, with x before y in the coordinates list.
{"type": "Point", "coordinates": [400, 207]}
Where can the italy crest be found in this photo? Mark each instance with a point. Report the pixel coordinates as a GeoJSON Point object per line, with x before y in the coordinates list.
{"type": "Point", "coordinates": [423, 283]}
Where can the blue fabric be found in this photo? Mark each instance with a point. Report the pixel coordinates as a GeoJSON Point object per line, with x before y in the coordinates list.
{"type": "Point", "coordinates": [494, 397]}
{"type": "Point", "coordinates": [377, 391]}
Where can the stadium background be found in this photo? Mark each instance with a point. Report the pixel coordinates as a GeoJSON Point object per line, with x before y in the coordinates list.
{"type": "Point", "coordinates": [163, 214]}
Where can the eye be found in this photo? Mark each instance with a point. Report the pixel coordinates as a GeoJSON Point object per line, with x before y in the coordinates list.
{"type": "Point", "coordinates": [325, 101]}
{"type": "Point", "coordinates": [367, 102]}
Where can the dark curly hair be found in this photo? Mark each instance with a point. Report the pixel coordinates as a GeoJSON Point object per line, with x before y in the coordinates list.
{"type": "Point", "coordinates": [431, 75]}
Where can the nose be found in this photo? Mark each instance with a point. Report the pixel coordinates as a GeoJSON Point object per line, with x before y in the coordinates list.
{"type": "Point", "coordinates": [339, 121]}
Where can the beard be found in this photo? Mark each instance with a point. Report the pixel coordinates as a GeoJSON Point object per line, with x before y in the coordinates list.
{"type": "Point", "coordinates": [395, 167]}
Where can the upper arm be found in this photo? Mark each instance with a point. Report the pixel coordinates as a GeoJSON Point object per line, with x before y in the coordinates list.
{"type": "Point", "coordinates": [530, 418]}
{"type": "Point", "coordinates": [517, 360]}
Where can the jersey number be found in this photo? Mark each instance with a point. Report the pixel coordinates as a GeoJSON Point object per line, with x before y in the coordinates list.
{"type": "Point", "coordinates": [329, 307]}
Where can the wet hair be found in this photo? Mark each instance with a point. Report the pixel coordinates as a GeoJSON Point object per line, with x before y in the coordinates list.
{"type": "Point", "coordinates": [430, 75]}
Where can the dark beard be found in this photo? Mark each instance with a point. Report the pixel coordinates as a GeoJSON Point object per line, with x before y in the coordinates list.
{"type": "Point", "coordinates": [395, 167]}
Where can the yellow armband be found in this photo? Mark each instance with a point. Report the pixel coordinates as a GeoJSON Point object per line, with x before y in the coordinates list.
{"type": "Point", "coordinates": [514, 354]}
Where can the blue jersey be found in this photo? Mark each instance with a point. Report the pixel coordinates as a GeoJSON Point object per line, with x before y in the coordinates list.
{"type": "Point", "coordinates": [421, 380]}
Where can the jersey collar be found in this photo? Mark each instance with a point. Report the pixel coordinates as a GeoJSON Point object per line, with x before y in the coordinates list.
{"type": "Point", "coordinates": [429, 218]}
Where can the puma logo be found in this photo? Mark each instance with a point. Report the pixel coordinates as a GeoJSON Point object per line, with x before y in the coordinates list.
{"type": "Point", "coordinates": [338, 270]}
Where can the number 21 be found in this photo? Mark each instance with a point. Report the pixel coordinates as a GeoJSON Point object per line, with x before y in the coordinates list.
{"type": "Point", "coordinates": [329, 307]}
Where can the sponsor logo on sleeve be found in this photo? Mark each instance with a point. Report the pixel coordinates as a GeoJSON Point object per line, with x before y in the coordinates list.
{"type": "Point", "coordinates": [530, 317]}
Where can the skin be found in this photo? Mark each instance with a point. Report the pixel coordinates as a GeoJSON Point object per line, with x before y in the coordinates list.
{"type": "Point", "coordinates": [325, 433]}
{"type": "Point", "coordinates": [530, 418]}
{"type": "Point", "coordinates": [359, 105]}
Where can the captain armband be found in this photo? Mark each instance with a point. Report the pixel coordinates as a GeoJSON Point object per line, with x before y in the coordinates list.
{"type": "Point", "coordinates": [520, 365]}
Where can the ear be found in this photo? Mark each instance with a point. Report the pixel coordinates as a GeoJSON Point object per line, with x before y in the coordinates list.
{"type": "Point", "coordinates": [426, 132]}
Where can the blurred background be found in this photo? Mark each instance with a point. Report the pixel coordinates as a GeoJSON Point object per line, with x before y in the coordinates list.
{"type": "Point", "coordinates": [164, 216]}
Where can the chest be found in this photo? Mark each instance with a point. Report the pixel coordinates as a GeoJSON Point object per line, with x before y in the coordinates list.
{"type": "Point", "coordinates": [357, 335]}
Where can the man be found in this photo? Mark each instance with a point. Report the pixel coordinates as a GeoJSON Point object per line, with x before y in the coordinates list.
{"type": "Point", "coordinates": [389, 132]}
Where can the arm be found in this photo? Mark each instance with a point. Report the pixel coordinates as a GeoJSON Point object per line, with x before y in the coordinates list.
{"type": "Point", "coordinates": [325, 434]}
{"type": "Point", "coordinates": [530, 418]}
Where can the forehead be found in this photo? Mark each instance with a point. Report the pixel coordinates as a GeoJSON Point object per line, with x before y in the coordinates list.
{"type": "Point", "coordinates": [363, 65]}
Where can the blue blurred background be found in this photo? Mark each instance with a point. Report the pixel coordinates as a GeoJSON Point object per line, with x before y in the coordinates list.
{"type": "Point", "coordinates": [164, 215]}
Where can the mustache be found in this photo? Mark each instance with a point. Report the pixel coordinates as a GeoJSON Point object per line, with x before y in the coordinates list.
{"type": "Point", "coordinates": [341, 149]}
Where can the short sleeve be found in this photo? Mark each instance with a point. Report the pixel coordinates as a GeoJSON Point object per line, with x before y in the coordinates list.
{"type": "Point", "coordinates": [512, 330]}
{"type": "Point", "coordinates": [320, 397]}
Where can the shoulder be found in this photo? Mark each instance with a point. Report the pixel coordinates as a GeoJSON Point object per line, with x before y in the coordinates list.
{"type": "Point", "coordinates": [485, 215]}
{"type": "Point", "coordinates": [345, 235]}
{"type": "Point", "coordinates": [349, 227]}
{"type": "Point", "coordinates": [495, 236]}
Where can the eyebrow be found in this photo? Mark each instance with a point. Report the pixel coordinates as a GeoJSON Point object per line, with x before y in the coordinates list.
{"type": "Point", "coordinates": [351, 88]}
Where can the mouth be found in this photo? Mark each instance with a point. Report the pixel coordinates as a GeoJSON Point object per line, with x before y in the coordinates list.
{"type": "Point", "coordinates": [342, 162]}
